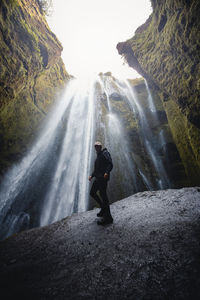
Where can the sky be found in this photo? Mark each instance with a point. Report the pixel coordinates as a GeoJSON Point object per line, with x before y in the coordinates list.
{"type": "Point", "coordinates": [89, 31]}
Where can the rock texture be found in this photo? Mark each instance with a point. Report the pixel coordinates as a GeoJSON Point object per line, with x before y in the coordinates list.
{"type": "Point", "coordinates": [151, 251]}
{"type": "Point", "coordinates": [165, 50]}
{"type": "Point", "coordinates": [31, 70]}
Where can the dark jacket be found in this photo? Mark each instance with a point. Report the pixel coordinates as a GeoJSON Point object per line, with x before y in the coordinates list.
{"type": "Point", "coordinates": [103, 164]}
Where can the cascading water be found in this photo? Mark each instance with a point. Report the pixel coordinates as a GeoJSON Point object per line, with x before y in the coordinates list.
{"type": "Point", "coordinates": [51, 182]}
{"type": "Point", "coordinates": [164, 181]}
{"type": "Point", "coordinates": [69, 187]}
{"type": "Point", "coordinates": [123, 180]}
{"type": "Point", "coordinates": [151, 141]}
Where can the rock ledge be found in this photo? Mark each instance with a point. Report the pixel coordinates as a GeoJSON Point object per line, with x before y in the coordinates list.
{"type": "Point", "coordinates": [151, 251]}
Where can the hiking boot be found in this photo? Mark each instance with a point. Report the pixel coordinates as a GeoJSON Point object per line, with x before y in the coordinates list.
{"type": "Point", "coordinates": [100, 214]}
{"type": "Point", "coordinates": [105, 221]}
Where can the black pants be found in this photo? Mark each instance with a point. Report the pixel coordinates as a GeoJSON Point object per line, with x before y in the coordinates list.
{"type": "Point", "coordinates": [101, 186]}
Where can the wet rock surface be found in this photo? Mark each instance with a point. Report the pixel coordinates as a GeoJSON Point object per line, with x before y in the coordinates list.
{"type": "Point", "coordinates": [151, 251]}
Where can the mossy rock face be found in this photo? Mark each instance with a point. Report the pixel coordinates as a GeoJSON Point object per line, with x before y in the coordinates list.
{"type": "Point", "coordinates": [187, 138]}
{"type": "Point", "coordinates": [31, 72]}
{"type": "Point", "coordinates": [165, 50]}
{"type": "Point", "coordinates": [19, 122]}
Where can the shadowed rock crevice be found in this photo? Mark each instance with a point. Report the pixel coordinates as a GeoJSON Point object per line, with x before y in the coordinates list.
{"type": "Point", "coordinates": [162, 23]}
{"type": "Point", "coordinates": [44, 54]}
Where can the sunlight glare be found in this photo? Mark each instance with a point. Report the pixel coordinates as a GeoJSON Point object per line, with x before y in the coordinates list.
{"type": "Point", "coordinates": [89, 31]}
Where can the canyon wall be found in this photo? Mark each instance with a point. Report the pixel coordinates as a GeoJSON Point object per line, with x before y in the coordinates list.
{"type": "Point", "coordinates": [31, 72]}
{"type": "Point", "coordinates": [165, 51]}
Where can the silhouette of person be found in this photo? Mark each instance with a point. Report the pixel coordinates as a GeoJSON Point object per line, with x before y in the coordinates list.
{"type": "Point", "coordinates": [102, 167]}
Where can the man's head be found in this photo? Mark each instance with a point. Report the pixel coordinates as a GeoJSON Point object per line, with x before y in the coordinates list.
{"type": "Point", "coordinates": [98, 146]}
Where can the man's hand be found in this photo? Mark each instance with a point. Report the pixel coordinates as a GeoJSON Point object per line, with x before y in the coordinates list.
{"type": "Point", "coordinates": [90, 178]}
{"type": "Point", "coordinates": [105, 176]}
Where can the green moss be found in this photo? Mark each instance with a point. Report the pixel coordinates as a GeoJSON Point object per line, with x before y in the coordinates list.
{"type": "Point", "coordinates": [10, 5]}
{"type": "Point", "coordinates": [19, 121]}
{"type": "Point", "coordinates": [159, 54]}
{"type": "Point", "coordinates": [186, 137]}
{"type": "Point", "coordinates": [47, 84]}
{"type": "Point", "coordinates": [31, 35]}
{"type": "Point", "coordinates": [121, 108]}
{"type": "Point", "coordinates": [136, 81]}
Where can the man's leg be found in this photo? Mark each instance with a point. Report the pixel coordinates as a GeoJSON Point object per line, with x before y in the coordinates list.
{"type": "Point", "coordinates": [93, 193]}
{"type": "Point", "coordinates": [106, 206]}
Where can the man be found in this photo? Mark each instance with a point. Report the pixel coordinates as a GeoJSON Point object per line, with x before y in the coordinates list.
{"type": "Point", "coordinates": [102, 167]}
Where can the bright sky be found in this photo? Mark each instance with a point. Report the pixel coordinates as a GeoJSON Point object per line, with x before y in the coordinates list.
{"type": "Point", "coordinates": [89, 31]}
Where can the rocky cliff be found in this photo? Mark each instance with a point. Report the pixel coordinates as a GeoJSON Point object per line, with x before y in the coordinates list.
{"type": "Point", "coordinates": [165, 50]}
{"type": "Point", "coordinates": [31, 70]}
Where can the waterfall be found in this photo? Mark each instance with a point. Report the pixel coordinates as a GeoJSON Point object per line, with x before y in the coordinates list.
{"type": "Point", "coordinates": [123, 180]}
{"type": "Point", "coordinates": [51, 181]}
{"type": "Point", "coordinates": [73, 165]}
{"type": "Point", "coordinates": [151, 142]}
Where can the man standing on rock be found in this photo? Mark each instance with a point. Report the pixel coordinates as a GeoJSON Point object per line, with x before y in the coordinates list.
{"type": "Point", "coordinates": [103, 166]}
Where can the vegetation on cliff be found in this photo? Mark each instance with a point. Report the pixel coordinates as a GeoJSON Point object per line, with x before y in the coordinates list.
{"type": "Point", "coordinates": [45, 6]}
{"type": "Point", "coordinates": [165, 50]}
{"type": "Point", "coordinates": [31, 71]}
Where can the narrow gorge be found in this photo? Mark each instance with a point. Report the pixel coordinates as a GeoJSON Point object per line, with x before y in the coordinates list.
{"type": "Point", "coordinates": [126, 118]}
{"type": "Point", "coordinates": [49, 121]}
